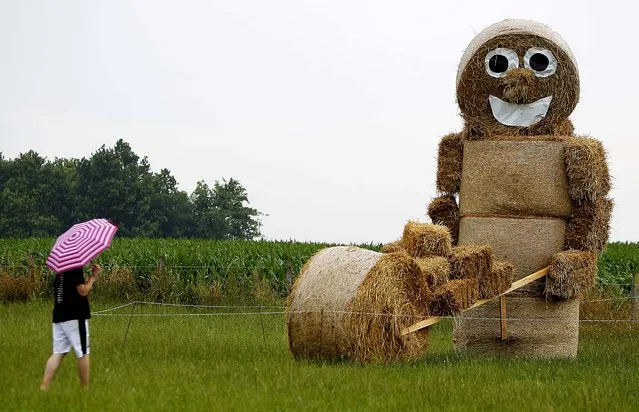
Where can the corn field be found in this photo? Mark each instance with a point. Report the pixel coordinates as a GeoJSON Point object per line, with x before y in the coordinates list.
{"type": "Point", "coordinates": [208, 271]}
{"type": "Point", "coordinates": [172, 269]}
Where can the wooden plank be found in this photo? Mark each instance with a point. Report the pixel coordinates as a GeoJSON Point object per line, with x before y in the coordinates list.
{"type": "Point", "coordinates": [516, 285]}
{"type": "Point", "coordinates": [502, 317]}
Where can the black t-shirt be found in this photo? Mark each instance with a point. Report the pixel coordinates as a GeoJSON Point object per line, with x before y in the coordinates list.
{"type": "Point", "coordinates": [69, 304]}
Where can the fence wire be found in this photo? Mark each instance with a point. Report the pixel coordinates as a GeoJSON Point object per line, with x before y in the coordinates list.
{"type": "Point", "coordinates": [280, 310]}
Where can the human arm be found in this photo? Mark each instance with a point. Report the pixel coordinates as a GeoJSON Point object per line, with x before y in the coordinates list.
{"type": "Point", "coordinates": [85, 288]}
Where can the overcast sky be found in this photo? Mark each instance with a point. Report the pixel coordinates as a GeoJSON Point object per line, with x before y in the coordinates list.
{"type": "Point", "coordinates": [328, 112]}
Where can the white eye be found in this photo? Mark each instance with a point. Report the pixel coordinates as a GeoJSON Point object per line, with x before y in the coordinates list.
{"type": "Point", "coordinates": [500, 60]}
{"type": "Point", "coordinates": [541, 61]}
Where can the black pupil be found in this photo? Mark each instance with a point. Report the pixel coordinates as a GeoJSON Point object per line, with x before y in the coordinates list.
{"type": "Point", "coordinates": [498, 63]}
{"type": "Point", "coordinates": [538, 62]}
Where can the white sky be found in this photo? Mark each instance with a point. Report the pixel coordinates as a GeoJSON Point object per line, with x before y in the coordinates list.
{"type": "Point", "coordinates": [328, 112]}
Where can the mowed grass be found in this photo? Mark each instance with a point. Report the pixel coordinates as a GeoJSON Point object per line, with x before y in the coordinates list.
{"type": "Point", "coordinates": [242, 363]}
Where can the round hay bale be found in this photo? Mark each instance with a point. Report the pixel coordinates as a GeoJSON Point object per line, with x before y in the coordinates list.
{"type": "Point", "coordinates": [536, 329]}
{"type": "Point", "coordinates": [352, 303]}
{"type": "Point", "coordinates": [519, 178]}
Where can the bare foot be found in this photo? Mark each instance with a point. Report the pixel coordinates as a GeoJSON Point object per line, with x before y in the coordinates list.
{"type": "Point", "coordinates": [44, 387]}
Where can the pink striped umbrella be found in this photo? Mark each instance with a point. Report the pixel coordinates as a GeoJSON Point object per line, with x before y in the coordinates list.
{"type": "Point", "coordinates": [81, 244]}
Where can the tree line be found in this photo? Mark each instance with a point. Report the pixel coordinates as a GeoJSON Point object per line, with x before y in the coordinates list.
{"type": "Point", "coordinates": [42, 198]}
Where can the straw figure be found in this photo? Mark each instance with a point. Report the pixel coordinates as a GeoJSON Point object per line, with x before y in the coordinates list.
{"type": "Point", "coordinates": [518, 180]}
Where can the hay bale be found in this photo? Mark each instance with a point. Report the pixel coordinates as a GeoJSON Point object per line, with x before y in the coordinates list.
{"type": "Point", "coordinates": [449, 161]}
{"type": "Point", "coordinates": [589, 226]}
{"type": "Point", "coordinates": [587, 169]}
{"type": "Point", "coordinates": [572, 273]}
{"type": "Point", "coordinates": [352, 303]}
{"type": "Point", "coordinates": [528, 244]}
{"type": "Point", "coordinates": [435, 269]}
{"type": "Point", "coordinates": [495, 282]}
{"type": "Point", "coordinates": [422, 240]}
{"type": "Point", "coordinates": [443, 210]}
{"type": "Point", "coordinates": [391, 247]}
{"type": "Point", "coordinates": [516, 178]}
{"type": "Point", "coordinates": [453, 297]}
{"type": "Point", "coordinates": [536, 329]}
{"type": "Point", "coordinates": [470, 261]}
{"type": "Point", "coordinates": [474, 85]}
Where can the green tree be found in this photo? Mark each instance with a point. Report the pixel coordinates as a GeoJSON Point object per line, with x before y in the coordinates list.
{"type": "Point", "coordinates": [43, 198]}
{"type": "Point", "coordinates": [220, 212]}
{"type": "Point", "coordinates": [26, 195]}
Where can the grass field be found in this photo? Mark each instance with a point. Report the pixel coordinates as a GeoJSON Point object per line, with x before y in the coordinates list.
{"type": "Point", "coordinates": [242, 363]}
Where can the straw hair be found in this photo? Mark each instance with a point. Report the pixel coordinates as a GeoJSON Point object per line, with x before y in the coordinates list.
{"type": "Point", "coordinates": [436, 270]}
{"type": "Point", "coordinates": [587, 169]}
{"type": "Point", "coordinates": [350, 303]}
{"type": "Point", "coordinates": [517, 178]}
{"type": "Point", "coordinates": [589, 226]}
{"type": "Point", "coordinates": [537, 328]}
{"type": "Point", "coordinates": [496, 281]}
{"type": "Point", "coordinates": [422, 240]}
{"type": "Point", "coordinates": [474, 85]}
{"type": "Point", "coordinates": [470, 262]}
{"type": "Point", "coordinates": [443, 210]}
{"type": "Point", "coordinates": [454, 296]}
{"type": "Point", "coordinates": [449, 164]}
{"type": "Point", "coordinates": [572, 274]}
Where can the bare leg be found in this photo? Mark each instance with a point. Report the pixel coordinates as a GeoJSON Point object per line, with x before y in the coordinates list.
{"type": "Point", "coordinates": [83, 371]}
{"type": "Point", "coordinates": [50, 369]}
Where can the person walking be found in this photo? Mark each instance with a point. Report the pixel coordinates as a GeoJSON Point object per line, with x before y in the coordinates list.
{"type": "Point", "coordinates": [71, 314]}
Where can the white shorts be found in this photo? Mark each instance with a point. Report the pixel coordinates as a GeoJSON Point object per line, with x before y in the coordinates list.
{"type": "Point", "coordinates": [71, 334]}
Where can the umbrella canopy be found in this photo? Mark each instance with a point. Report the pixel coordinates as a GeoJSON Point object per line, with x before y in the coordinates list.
{"type": "Point", "coordinates": [81, 244]}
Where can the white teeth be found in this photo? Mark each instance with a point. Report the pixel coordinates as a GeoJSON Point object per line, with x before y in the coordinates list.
{"type": "Point", "coordinates": [520, 115]}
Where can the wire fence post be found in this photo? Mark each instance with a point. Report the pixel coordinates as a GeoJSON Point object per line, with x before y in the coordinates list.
{"type": "Point", "coordinates": [289, 275]}
{"type": "Point", "coordinates": [262, 324]}
{"type": "Point", "coordinates": [161, 263]}
{"type": "Point", "coordinates": [31, 265]}
{"type": "Point", "coordinates": [635, 297]}
{"type": "Point", "coordinates": [128, 325]}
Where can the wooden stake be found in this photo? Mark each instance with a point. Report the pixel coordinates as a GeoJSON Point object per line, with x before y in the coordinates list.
{"type": "Point", "coordinates": [502, 317]}
{"type": "Point", "coordinates": [516, 285]}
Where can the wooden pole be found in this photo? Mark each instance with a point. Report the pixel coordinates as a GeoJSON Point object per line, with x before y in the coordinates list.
{"type": "Point", "coordinates": [635, 295]}
{"type": "Point", "coordinates": [502, 317]}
